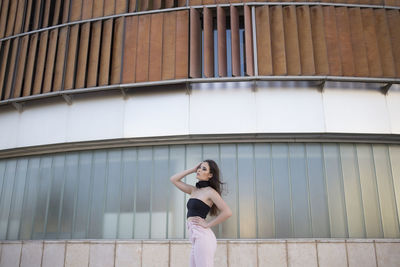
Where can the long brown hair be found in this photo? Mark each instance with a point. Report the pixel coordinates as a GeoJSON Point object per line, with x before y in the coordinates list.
{"type": "Point", "coordinates": [215, 183]}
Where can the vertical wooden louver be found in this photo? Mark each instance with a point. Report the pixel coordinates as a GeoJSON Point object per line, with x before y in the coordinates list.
{"type": "Point", "coordinates": [169, 46]}
{"type": "Point", "coordinates": [19, 77]}
{"type": "Point", "coordinates": [50, 59]}
{"type": "Point", "coordinates": [291, 41]}
{"type": "Point", "coordinates": [116, 54]}
{"type": "Point", "coordinates": [278, 41]}
{"type": "Point", "coordinates": [394, 22]}
{"type": "Point", "coordinates": [182, 45]}
{"type": "Point", "coordinates": [71, 57]}
{"type": "Point", "coordinates": [263, 41]}
{"type": "Point", "coordinates": [11, 68]}
{"type": "Point", "coordinates": [5, 46]}
{"type": "Point", "coordinates": [3, 17]}
{"type": "Point", "coordinates": [208, 43]}
{"type": "Point", "coordinates": [87, 9]}
{"type": "Point", "coordinates": [60, 59]}
{"type": "Point", "coordinates": [156, 44]}
{"type": "Point", "coordinates": [142, 60]}
{"type": "Point", "coordinates": [30, 65]}
{"type": "Point", "coordinates": [94, 54]}
{"type": "Point", "coordinates": [358, 43]}
{"type": "Point", "coordinates": [195, 44]}
{"type": "Point", "coordinates": [105, 54]}
{"type": "Point", "coordinates": [235, 40]}
{"type": "Point", "coordinates": [344, 39]}
{"type": "Point", "coordinates": [334, 59]}
{"type": "Point", "coordinates": [41, 59]}
{"type": "Point", "coordinates": [130, 44]}
{"type": "Point", "coordinates": [248, 31]}
{"type": "Point", "coordinates": [305, 41]}
{"type": "Point", "coordinates": [82, 56]}
{"type": "Point", "coordinates": [221, 28]}
{"type": "Point", "coordinates": [319, 41]}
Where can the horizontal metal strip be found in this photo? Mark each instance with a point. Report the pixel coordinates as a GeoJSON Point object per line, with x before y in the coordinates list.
{"type": "Point", "coordinates": [203, 139]}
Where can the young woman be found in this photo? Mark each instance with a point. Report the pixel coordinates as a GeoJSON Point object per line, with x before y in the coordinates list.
{"type": "Point", "coordinates": [204, 198]}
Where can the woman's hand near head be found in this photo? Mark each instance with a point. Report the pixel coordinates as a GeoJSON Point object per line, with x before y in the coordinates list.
{"type": "Point", "coordinates": [194, 169]}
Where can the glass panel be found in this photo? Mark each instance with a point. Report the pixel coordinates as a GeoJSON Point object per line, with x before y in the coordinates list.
{"type": "Point", "coordinates": [394, 151]}
{"type": "Point", "coordinates": [264, 191]}
{"type": "Point", "coordinates": [228, 165]}
{"type": "Point", "coordinates": [385, 191]}
{"type": "Point", "coordinates": [241, 45]}
{"type": "Point", "coordinates": [6, 195]}
{"type": "Point", "coordinates": [318, 200]}
{"type": "Point", "coordinates": [299, 188]}
{"type": "Point", "coordinates": [352, 190]}
{"type": "Point", "coordinates": [228, 53]}
{"type": "Point", "coordinates": [247, 198]}
{"type": "Point", "coordinates": [373, 224]}
{"type": "Point", "coordinates": [113, 182]}
{"type": "Point", "coordinates": [280, 171]}
{"type": "Point", "coordinates": [177, 204]}
{"type": "Point", "coordinates": [17, 199]}
{"type": "Point", "coordinates": [56, 191]}
{"type": "Point", "coordinates": [129, 167]}
{"type": "Point", "coordinates": [69, 195]}
{"type": "Point", "coordinates": [142, 215]}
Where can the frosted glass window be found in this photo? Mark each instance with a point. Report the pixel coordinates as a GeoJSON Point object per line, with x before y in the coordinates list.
{"type": "Point", "coordinates": [143, 193]}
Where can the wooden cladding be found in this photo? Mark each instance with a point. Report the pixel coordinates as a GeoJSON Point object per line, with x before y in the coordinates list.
{"type": "Point", "coordinates": [336, 41]}
{"type": "Point", "coordinates": [122, 50]}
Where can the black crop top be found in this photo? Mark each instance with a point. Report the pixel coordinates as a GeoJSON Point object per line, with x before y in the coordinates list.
{"type": "Point", "coordinates": [197, 207]}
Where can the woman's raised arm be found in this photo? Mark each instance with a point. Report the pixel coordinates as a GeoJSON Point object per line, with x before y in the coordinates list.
{"type": "Point", "coordinates": [176, 180]}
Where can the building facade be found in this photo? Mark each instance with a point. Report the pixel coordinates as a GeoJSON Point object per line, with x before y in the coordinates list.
{"type": "Point", "coordinates": [102, 101]}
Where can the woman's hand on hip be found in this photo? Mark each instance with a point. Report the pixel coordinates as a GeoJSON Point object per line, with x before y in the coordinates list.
{"type": "Point", "coordinates": [200, 221]}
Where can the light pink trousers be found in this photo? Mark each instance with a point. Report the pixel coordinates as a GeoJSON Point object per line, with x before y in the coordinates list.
{"type": "Point", "coordinates": [204, 244]}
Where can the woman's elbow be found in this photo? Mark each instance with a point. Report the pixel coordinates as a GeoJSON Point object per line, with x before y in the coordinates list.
{"type": "Point", "coordinates": [228, 213]}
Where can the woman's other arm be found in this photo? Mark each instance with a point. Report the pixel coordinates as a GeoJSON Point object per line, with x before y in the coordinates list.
{"type": "Point", "coordinates": [176, 180]}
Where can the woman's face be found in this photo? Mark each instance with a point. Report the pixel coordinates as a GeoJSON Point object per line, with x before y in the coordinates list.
{"type": "Point", "coordinates": [203, 172]}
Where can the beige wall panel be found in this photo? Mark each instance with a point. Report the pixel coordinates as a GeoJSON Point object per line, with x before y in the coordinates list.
{"type": "Point", "coordinates": [264, 55]}
{"type": "Point", "coordinates": [19, 17]}
{"type": "Point", "coordinates": [344, 38]}
{"type": "Point", "coordinates": [208, 43]}
{"type": "Point", "coordinates": [156, 44]}
{"type": "Point", "coordinates": [94, 54]}
{"type": "Point", "coordinates": [51, 55]}
{"type": "Point", "coordinates": [221, 28]}
{"type": "Point", "coordinates": [116, 63]}
{"type": "Point", "coordinates": [168, 54]}
{"type": "Point", "coordinates": [142, 60]}
{"type": "Point", "coordinates": [105, 54]}
{"type": "Point", "coordinates": [248, 32]}
{"type": "Point", "coordinates": [30, 63]}
{"type": "Point", "coordinates": [11, 69]}
{"type": "Point", "coordinates": [121, 6]}
{"type": "Point", "coordinates": [11, 17]}
{"type": "Point", "coordinates": [291, 41]}
{"type": "Point", "coordinates": [98, 6]}
{"type": "Point", "coordinates": [132, 5]}
{"type": "Point", "coordinates": [374, 60]}
{"type": "Point", "coordinates": [130, 44]}
{"type": "Point", "coordinates": [109, 7]}
{"type": "Point", "coordinates": [5, 46]}
{"type": "Point", "coordinates": [3, 17]}
{"type": "Point", "coordinates": [319, 41]}
{"type": "Point", "coordinates": [36, 17]}
{"type": "Point", "coordinates": [235, 40]}
{"type": "Point", "coordinates": [19, 77]}
{"type": "Point", "coordinates": [40, 62]}
{"type": "Point", "coordinates": [278, 41]}
{"type": "Point", "coordinates": [182, 45]}
{"type": "Point", "coordinates": [195, 44]}
{"type": "Point", "coordinates": [57, 9]}
{"type": "Point", "coordinates": [65, 15]}
{"type": "Point", "coordinates": [87, 9]}
{"type": "Point", "coordinates": [82, 55]}
{"type": "Point", "coordinates": [332, 44]}
{"type": "Point", "coordinates": [384, 43]}
{"type": "Point", "coordinates": [305, 40]}
{"type": "Point", "coordinates": [46, 13]}
{"type": "Point", "coordinates": [60, 59]}
{"type": "Point", "coordinates": [358, 43]}
{"type": "Point", "coordinates": [71, 57]}
{"type": "Point", "coordinates": [28, 15]}
{"type": "Point", "coordinates": [394, 22]}
{"type": "Point", "coordinates": [76, 10]}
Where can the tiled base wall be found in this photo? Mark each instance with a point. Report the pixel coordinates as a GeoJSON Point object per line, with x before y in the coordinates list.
{"type": "Point", "coordinates": [174, 253]}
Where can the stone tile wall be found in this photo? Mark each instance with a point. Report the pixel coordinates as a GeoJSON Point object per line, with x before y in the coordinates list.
{"type": "Point", "coordinates": [230, 253]}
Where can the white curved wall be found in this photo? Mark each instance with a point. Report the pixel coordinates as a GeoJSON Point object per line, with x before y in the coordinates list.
{"type": "Point", "coordinates": [209, 109]}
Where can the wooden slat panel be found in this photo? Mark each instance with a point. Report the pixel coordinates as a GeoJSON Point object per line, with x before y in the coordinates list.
{"type": "Point", "coordinates": [3, 18]}
{"type": "Point", "coordinates": [132, 5]}
{"type": "Point", "coordinates": [335, 65]}
{"type": "Point", "coordinates": [71, 57]}
{"type": "Point", "coordinates": [157, 4]}
{"type": "Point", "coordinates": [41, 59]}
{"type": "Point", "coordinates": [11, 69]}
{"type": "Point", "coordinates": [195, 44]}
{"type": "Point", "coordinates": [121, 6]}
{"type": "Point", "coordinates": [264, 55]}
{"type": "Point", "coordinates": [208, 43]}
{"type": "Point", "coordinates": [182, 45]}
{"type": "Point", "coordinates": [384, 43]}
{"type": "Point", "coordinates": [248, 32]}
{"type": "Point", "coordinates": [319, 42]}
{"type": "Point", "coordinates": [36, 18]}
{"type": "Point", "coordinates": [394, 22]}
{"type": "Point", "coordinates": [169, 34]}
{"type": "Point", "coordinates": [29, 68]}
{"type": "Point", "coordinates": [181, 2]}
{"type": "Point", "coordinates": [82, 56]}
{"type": "Point", "coordinates": [51, 55]}
{"type": "Point", "coordinates": [305, 41]}
{"type": "Point", "coordinates": [142, 59]}
{"type": "Point", "coordinates": [46, 13]}
{"type": "Point", "coordinates": [65, 16]}
{"type": "Point", "coordinates": [76, 10]}
{"type": "Point", "coordinates": [358, 43]}
{"type": "Point", "coordinates": [278, 41]}
{"type": "Point", "coordinates": [87, 9]}
{"type": "Point", "coordinates": [222, 1]}
{"type": "Point", "coordinates": [374, 60]}
{"type": "Point", "coordinates": [116, 63]}
{"type": "Point", "coordinates": [195, 2]}
{"type": "Point", "coordinates": [291, 41]}
{"type": "Point", "coordinates": [144, 5]}
{"type": "Point", "coordinates": [221, 28]}
{"type": "Point", "coordinates": [105, 54]}
{"type": "Point", "coordinates": [5, 46]}
{"type": "Point", "coordinates": [57, 9]}
{"type": "Point", "coordinates": [392, 2]}
{"type": "Point", "coordinates": [20, 16]}
{"type": "Point", "coordinates": [19, 78]}
{"type": "Point", "coordinates": [94, 53]}
{"type": "Point", "coordinates": [130, 45]}
{"type": "Point", "coordinates": [11, 17]}
{"type": "Point", "coordinates": [170, 3]}
{"type": "Point", "coordinates": [109, 7]}
{"type": "Point", "coordinates": [98, 6]}
{"type": "Point", "coordinates": [208, 2]}
{"type": "Point", "coordinates": [60, 59]}
{"type": "Point", "coordinates": [28, 15]}
{"type": "Point", "coordinates": [344, 38]}
{"type": "Point", "coordinates": [156, 44]}
{"type": "Point", "coordinates": [235, 40]}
